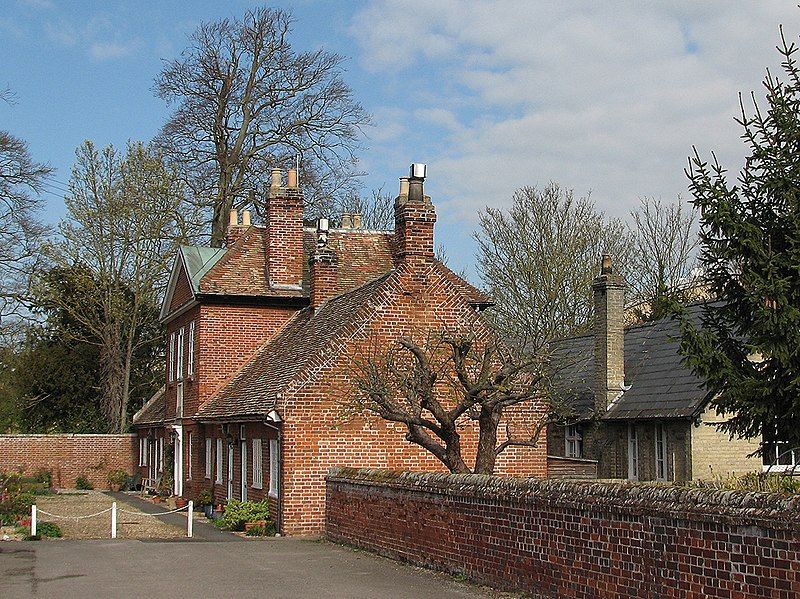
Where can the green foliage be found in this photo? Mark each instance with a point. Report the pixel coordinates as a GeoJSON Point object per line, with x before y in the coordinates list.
{"type": "Point", "coordinates": [44, 476]}
{"type": "Point", "coordinates": [83, 484]}
{"type": "Point", "coordinates": [752, 481]}
{"type": "Point", "coordinates": [205, 498]}
{"type": "Point", "coordinates": [48, 529]}
{"type": "Point", "coordinates": [238, 513]}
{"type": "Point", "coordinates": [15, 499]}
{"type": "Point", "coordinates": [117, 477]}
{"type": "Point", "coordinates": [261, 531]}
{"type": "Point", "coordinates": [745, 345]}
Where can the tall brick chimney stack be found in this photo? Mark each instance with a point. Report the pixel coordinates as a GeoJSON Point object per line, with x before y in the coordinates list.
{"type": "Point", "coordinates": [323, 267]}
{"type": "Point", "coordinates": [609, 336]}
{"type": "Point", "coordinates": [284, 222]}
{"type": "Point", "coordinates": [414, 218]}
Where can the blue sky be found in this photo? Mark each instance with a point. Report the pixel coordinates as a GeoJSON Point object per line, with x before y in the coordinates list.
{"type": "Point", "coordinates": [605, 98]}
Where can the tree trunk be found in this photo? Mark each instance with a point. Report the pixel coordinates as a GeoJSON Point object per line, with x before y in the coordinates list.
{"type": "Point", "coordinates": [488, 421]}
{"type": "Point", "coordinates": [455, 462]}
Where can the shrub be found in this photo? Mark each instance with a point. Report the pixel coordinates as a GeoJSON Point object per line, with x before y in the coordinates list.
{"type": "Point", "coordinates": [45, 477]}
{"type": "Point", "coordinates": [48, 529]}
{"type": "Point", "coordinates": [117, 477]}
{"type": "Point", "coordinates": [752, 481]}
{"type": "Point", "coordinates": [238, 513]}
{"type": "Point", "coordinates": [262, 531]}
{"type": "Point", "coordinates": [82, 484]}
{"type": "Point", "coordinates": [205, 498]}
{"type": "Point", "coordinates": [15, 500]}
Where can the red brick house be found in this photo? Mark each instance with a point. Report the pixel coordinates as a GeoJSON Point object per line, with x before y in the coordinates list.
{"type": "Point", "coordinates": [261, 336]}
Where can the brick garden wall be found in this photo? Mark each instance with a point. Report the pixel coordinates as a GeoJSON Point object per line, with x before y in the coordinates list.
{"type": "Point", "coordinates": [68, 456]}
{"type": "Point", "coordinates": [574, 539]}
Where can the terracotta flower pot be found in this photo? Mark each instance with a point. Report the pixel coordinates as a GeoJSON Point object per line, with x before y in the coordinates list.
{"type": "Point", "coordinates": [181, 502]}
{"type": "Point", "coordinates": [115, 487]}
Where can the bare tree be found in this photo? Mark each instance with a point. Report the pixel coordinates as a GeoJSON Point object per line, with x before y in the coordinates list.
{"type": "Point", "coordinates": [118, 239]}
{"type": "Point", "coordinates": [245, 102]}
{"type": "Point", "coordinates": [376, 210]}
{"type": "Point", "coordinates": [537, 261]}
{"type": "Point", "coordinates": [437, 388]}
{"type": "Point", "coordinates": [661, 268]}
{"type": "Point", "coordinates": [21, 180]}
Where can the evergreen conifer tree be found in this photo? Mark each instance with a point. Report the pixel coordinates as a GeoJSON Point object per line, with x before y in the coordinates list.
{"type": "Point", "coordinates": [746, 345]}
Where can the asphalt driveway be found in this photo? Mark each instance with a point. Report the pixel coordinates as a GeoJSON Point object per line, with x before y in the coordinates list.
{"type": "Point", "coordinates": [281, 567]}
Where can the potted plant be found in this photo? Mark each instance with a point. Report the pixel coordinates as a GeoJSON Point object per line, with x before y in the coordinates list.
{"type": "Point", "coordinates": [206, 501]}
{"type": "Point", "coordinates": [115, 479]}
{"type": "Point", "coordinates": [180, 502]}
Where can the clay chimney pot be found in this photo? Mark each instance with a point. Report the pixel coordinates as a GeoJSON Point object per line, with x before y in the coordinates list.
{"type": "Point", "coordinates": [276, 177]}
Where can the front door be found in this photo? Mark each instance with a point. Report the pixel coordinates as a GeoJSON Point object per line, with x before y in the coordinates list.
{"type": "Point", "coordinates": [177, 469]}
{"type": "Point", "coordinates": [243, 455]}
{"type": "Point", "coordinates": [230, 471]}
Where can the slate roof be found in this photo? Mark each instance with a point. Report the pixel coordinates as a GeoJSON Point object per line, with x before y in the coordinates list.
{"type": "Point", "coordinates": [153, 411]}
{"type": "Point", "coordinates": [254, 390]}
{"type": "Point", "coordinates": [661, 386]}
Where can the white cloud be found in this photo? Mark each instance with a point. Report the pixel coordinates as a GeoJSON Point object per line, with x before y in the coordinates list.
{"type": "Point", "coordinates": [109, 50]}
{"type": "Point", "coordinates": [607, 97]}
{"type": "Point", "coordinates": [100, 37]}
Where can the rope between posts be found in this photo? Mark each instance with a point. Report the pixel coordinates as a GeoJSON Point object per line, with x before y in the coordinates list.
{"type": "Point", "coordinates": [180, 509]}
{"type": "Point", "coordinates": [41, 511]}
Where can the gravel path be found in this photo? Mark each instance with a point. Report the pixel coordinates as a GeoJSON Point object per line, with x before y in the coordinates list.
{"type": "Point", "coordinates": [131, 524]}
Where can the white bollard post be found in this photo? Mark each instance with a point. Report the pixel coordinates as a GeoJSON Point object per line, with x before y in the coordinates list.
{"type": "Point", "coordinates": [191, 518]}
{"type": "Point", "coordinates": [33, 520]}
{"type": "Point", "coordinates": [114, 520]}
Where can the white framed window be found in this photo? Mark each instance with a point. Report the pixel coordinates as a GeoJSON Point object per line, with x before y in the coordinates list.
{"type": "Point", "coordinates": [161, 454]}
{"type": "Point", "coordinates": [189, 457]}
{"type": "Point", "coordinates": [633, 452]}
{"type": "Point", "coordinates": [661, 452]}
{"type": "Point", "coordinates": [780, 456]}
{"type": "Point", "coordinates": [208, 458]}
{"type": "Point", "coordinates": [573, 441]}
{"type": "Point", "coordinates": [179, 360]}
{"type": "Point", "coordinates": [258, 473]}
{"type": "Point", "coordinates": [219, 462]}
{"type": "Point", "coordinates": [274, 466]}
{"type": "Point", "coordinates": [172, 350]}
{"type": "Point", "coordinates": [190, 361]}
{"type": "Point", "coordinates": [141, 451]}
{"type": "Point", "coordinates": [179, 400]}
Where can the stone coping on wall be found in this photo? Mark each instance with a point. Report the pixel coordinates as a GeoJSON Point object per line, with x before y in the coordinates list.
{"type": "Point", "coordinates": [769, 510]}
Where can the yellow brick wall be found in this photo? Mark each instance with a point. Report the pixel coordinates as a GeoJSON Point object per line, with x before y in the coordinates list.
{"type": "Point", "coordinates": [713, 453]}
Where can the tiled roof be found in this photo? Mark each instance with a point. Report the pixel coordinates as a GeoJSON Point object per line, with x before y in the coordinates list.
{"type": "Point", "coordinates": [363, 255]}
{"type": "Point", "coordinates": [254, 390]}
{"type": "Point", "coordinates": [153, 411]}
{"type": "Point", "coordinates": [241, 269]}
{"type": "Point", "coordinates": [661, 386]}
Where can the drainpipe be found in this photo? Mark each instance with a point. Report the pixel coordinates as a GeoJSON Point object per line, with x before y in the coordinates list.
{"type": "Point", "coordinates": [279, 511]}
